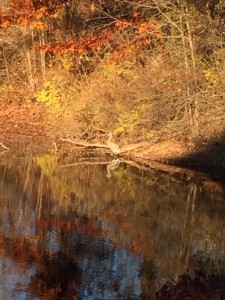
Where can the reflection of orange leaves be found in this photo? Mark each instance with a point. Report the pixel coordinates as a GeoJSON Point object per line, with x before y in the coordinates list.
{"type": "Point", "coordinates": [138, 243]}
{"type": "Point", "coordinates": [2, 240]}
{"type": "Point", "coordinates": [19, 242]}
{"type": "Point", "coordinates": [110, 215]}
{"type": "Point", "coordinates": [114, 245]}
{"type": "Point", "coordinates": [84, 226]}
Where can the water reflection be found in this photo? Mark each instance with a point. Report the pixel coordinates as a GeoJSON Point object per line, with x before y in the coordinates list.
{"type": "Point", "coordinates": [111, 166]}
{"type": "Point", "coordinates": [68, 231]}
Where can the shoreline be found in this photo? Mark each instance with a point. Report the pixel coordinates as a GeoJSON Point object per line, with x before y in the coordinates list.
{"type": "Point", "coordinates": [23, 127]}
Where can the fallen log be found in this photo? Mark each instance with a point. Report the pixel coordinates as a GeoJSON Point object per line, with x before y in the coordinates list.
{"type": "Point", "coordinates": [123, 149]}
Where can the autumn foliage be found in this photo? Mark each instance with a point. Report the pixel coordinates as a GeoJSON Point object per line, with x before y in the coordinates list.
{"type": "Point", "coordinates": [142, 56]}
{"type": "Point", "coordinates": [27, 14]}
{"type": "Point", "coordinates": [37, 15]}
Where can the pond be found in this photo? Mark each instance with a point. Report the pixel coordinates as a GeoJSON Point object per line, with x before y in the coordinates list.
{"type": "Point", "coordinates": [87, 227]}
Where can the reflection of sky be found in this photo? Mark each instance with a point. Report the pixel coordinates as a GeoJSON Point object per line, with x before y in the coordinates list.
{"type": "Point", "coordinates": [15, 279]}
{"type": "Point", "coordinates": [204, 249]}
{"type": "Point", "coordinates": [116, 276]}
{"type": "Point", "coordinates": [52, 241]}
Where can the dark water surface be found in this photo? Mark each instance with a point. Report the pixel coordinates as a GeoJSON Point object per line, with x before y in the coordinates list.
{"type": "Point", "coordinates": [90, 228]}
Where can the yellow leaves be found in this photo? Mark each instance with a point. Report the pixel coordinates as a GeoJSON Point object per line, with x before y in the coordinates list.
{"type": "Point", "coordinates": [44, 13]}
{"type": "Point", "coordinates": [48, 164]}
{"type": "Point", "coordinates": [55, 15]}
{"type": "Point", "coordinates": [120, 129]}
{"type": "Point", "coordinates": [40, 13]}
{"type": "Point", "coordinates": [211, 76]}
{"type": "Point", "coordinates": [84, 57]}
{"type": "Point", "coordinates": [38, 25]}
{"type": "Point", "coordinates": [67, 62]}
{"type": "Point", "coordinates": [113, 70]}
{"type": "Point", "coordinates": [49, 95]}
{"type": "Point", "coordinates": [92, 7]}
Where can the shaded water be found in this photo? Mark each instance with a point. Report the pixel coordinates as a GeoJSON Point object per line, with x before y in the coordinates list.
{"type": "Point", "coordinates": [90, 228]}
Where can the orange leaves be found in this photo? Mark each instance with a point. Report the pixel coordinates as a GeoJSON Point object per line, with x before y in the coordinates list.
{"type": "Point", "coordinates": [38, 25]}
{"type": "Point", "coordinates": [5, 23]}
{"type": "Point", "coordinates": [22, 20]}
{"type": "Point", "coordinates": [121, 25]}
{"type": "Point", "coordinates": [21, 6]}
{"type": "Point", "coordinates": [135, 14]}
{"type": "Point", "coordinates": [146, 27]}
{"type": "Point", "coordinates": [140, 34]}
{"type": "Point", "coordinates": [149, 31]}
{"type": "Point", "coordinates": [83, 45]}
{"type": "Point", "coordinates": [30, 13]}
{"type": "Point", "coordinates": [143, 29]}
{"type": "Point", "coordinates": [118, 42]}
{"type": "Point", "coordinates": [40, 13]}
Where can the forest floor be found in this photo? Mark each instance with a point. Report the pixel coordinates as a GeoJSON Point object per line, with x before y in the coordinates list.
{"type": "Point", "coordinates": [26, 125]}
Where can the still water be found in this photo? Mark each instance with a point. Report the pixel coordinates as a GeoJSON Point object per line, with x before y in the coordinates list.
{"type": "Point", "coordinates": [97, 228]}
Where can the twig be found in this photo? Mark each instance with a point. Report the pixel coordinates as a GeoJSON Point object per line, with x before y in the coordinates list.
{"type": "Point", "coordinates": [3, 146]}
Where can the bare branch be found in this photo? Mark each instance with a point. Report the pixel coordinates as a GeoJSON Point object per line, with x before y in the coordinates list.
{"type": "Point", "coordinates": [3, 146]}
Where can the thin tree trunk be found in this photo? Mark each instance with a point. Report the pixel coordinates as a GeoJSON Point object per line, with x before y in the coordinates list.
{"type": "Point", "coordinates": [42, 54]}
{"type": "Point", "coordinates": [29, 70]}
{"type": "Point", "coordinates": [193, 110]}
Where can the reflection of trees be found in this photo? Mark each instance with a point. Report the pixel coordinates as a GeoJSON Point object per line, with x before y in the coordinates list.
{"type": "Point", "coordinates": [187, 228]}
{"type": "Point", "coordinates": [58, 277]}
{"type": "Point", "coordinates": [149, 213]}
{"type": "Point", "coordinates": [43, 274]}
